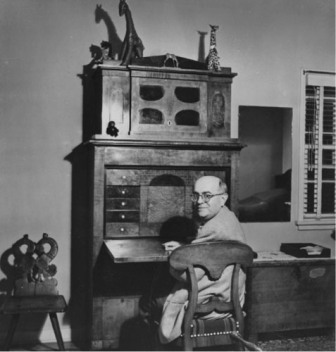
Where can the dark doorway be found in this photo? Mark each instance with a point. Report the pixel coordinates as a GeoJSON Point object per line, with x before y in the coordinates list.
{"type": "Point", "coordinates": [266, 163]}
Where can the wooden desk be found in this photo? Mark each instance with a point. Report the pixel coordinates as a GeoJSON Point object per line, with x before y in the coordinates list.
{"type": "Point", "coordinates": [283, 292]}
{"type": "Point", "coordinates": [136, 250]}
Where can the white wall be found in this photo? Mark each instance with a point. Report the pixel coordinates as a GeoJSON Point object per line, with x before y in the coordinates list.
{"type": "Point", "coordinates": [44, 45]}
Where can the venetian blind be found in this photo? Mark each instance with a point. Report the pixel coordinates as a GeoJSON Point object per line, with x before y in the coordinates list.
{"type": "Point", "coordinates": [318, 198]}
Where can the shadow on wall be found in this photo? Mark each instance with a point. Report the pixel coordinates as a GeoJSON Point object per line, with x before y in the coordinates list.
{"type": "Point", "coordinates": [102, 16]}
{"type": "Point", "coordinates": [79, 304]}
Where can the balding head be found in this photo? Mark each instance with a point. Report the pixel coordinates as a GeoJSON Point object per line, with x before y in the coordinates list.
{"type": "Point", "coordinates": [210, 185]}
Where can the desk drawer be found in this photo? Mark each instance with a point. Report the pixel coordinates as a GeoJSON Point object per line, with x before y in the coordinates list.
{"type": "Point", "coordinates": [121, 229]}
{"type": "Point", "coordinates": [123, 177]}
{"type": "Point", "coordinates": [122, 216]}
{"type": "Point", "coordinates": [122, 192]}
{"type": "Point", "coordinates": [122, 204]}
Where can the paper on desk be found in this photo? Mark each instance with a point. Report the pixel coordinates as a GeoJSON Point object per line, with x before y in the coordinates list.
{"type": "Point", "coordinates": [313, 250]}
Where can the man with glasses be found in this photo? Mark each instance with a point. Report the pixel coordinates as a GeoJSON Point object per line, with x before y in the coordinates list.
{"type": "Point", "coordinates": [215, 222]}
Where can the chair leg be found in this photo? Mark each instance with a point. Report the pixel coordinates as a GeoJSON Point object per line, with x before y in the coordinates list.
{"type": "Point", "coordinates": [11, 330]}
{"type": "Point", "coordinates": [249, 345]}
{"type": "Point", "coordinates": [57, 330]}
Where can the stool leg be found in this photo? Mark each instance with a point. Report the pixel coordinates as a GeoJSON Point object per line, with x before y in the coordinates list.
{"type": "Point", "coordinates": [11, 330]}
{"type": "Point", "coordinates": [57, 330]}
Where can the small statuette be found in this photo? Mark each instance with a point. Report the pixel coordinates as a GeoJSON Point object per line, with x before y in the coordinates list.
{"type": "Point", "coordinates": [112, 130]}
{"type": "Point", "coordinates": [173, 60]}
{"type": "Point", "coordinates": [213, 58]}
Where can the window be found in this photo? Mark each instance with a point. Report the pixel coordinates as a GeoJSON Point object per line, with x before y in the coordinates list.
{"type": "Point", "coordinates": [317, 164]}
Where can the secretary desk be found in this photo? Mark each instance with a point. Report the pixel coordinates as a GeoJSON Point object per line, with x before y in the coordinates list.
{"type": "Point", "coordinates": [173, 126]}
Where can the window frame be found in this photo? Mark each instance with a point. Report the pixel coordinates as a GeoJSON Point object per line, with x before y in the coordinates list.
{"type": "Point", "coordinates": [313, 221]}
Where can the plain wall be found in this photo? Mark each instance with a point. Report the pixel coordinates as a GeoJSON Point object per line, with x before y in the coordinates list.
{"type": "Point", "coordinates": [44, 46]}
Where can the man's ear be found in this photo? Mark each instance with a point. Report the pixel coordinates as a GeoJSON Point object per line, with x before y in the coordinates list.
{"type": "Point", "coordinates": [224, 198]}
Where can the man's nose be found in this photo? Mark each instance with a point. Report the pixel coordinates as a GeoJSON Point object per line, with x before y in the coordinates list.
{"type": "Point", "coordinates": [200, 199]}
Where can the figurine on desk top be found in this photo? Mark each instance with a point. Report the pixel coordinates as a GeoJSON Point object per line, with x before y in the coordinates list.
{"type": "Point", "coordinates": [106, 50]}
{"type": "Point", "coordinates": [112, 130]}
{"type": "Point", "coordinates": [132, 46]}
{"type": "Point", "coordinates": [213, 58]}
{"type": "Point", "coordinates": [102, 53]}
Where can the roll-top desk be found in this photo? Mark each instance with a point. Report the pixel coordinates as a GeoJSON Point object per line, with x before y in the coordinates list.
{"type": "Point", "coordinates": [174, 126]}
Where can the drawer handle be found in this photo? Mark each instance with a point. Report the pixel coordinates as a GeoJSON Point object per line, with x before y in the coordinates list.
{"type": "Point", "coordinates": [122, 216]}
{"type": "Point", "coordinates": [122, 229]}
{"type": "Point", "coordinates": [123, 191]}
{"type": "Point", "coordinates": [123, 204]}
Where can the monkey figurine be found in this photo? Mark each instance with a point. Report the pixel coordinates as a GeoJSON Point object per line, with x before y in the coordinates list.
{"type": "Point", "coordinates": [112, 130]}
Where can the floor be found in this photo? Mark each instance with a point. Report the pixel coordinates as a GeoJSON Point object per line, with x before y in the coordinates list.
{"type": "Point", "coordinates": [303, 342]}
{"type": "Point", "coordinates": [275, 342]}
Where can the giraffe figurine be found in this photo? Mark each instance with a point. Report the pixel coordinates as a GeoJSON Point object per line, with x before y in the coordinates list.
{"type": "Point", "coordinates": [213, 58]}
{"type": "Point", "coordinates": [132, 45]}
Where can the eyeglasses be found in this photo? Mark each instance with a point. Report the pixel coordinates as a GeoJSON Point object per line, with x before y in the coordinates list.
{"type": "Point", "coordinates": [206, 197]}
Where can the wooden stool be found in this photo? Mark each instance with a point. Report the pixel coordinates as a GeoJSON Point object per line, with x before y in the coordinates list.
{"type": "Point", "coordinates": [35, 288]}
{"type": "Point", "coordinates": [16, 306]}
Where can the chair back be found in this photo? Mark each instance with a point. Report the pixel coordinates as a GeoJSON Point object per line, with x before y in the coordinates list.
{"type": "Point", "coordinates": [213, 258]}
{"type": "Point", "coordinates": [34, 269]}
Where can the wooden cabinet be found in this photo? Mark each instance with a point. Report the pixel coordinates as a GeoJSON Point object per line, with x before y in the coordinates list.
{"type": "Point", "coordinates": [290, 294]}
{"type": "Point", "coordinates": [174, 127]}
{"type": "Point", "coordinates": [147, 102]}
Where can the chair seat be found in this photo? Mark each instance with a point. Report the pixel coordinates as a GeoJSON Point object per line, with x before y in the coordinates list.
{"type": "Point", "coordinates": [34, 304]}
{"type": "Point", "coordinates": [212, 331]}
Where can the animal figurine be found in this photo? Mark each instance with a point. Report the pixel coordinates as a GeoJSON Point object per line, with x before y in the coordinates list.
{"type": "Point", "coordinates": [132, 46]}
{"type": "Point", "coordinates": [171, 57]}
{"type": "Point", "coordinates": [106, 50]}
{"type": "Point", "coordinates": [112, 130]}
{"type": "Point", "coordinates": [96, 54]}
{"type": "Point", "coordinates": [213, 58]}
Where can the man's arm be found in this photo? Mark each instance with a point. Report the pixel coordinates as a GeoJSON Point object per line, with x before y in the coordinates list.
{"type": "Point", "coordinates": [182, 275]}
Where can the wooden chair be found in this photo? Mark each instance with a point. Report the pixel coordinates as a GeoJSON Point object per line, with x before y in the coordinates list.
{"type": "Point", "coordinates": [35, 289]}
{"type": "Point", "coordinates": [213, 257]}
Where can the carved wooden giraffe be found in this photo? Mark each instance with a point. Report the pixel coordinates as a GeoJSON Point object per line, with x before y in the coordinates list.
{"type": "Point", "coordinates": [132, 45]}
{"type": "Point", "coordinates": [213, 58]}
